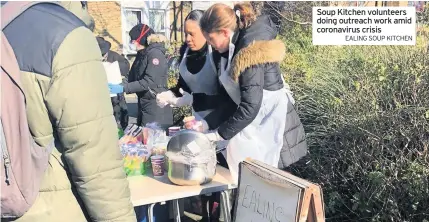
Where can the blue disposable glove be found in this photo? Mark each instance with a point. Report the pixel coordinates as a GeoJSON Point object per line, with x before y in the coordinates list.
{"type": "Point", "coordinates": [116, 88]}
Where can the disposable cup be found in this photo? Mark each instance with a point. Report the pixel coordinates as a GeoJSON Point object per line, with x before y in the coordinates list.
{"type": "Point", "coordinates": [173, 130]}
{"type": "Point", "coordinates": [157, 165]}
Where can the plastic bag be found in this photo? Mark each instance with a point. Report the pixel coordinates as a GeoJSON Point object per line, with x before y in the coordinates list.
{"type": "Point", "coordinates": [136, 158]}
{"type": "Point", "coordinates": [132, 134]}
{"type": "Point", "coordinates": [155, 135]}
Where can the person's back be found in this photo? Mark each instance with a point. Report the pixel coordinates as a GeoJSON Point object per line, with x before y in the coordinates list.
{"type": "Point", "coordinates": [67, 100]}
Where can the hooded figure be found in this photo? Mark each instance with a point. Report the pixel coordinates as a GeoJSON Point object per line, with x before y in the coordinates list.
{"type": "Point", "coordinates": [148, 76]}
{"type": "Point", "coordinates": [120, 109]}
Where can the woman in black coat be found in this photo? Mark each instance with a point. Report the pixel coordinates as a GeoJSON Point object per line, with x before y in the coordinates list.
{"type": "Point", "coordinates": [198, 85]}
{"type": "Point", "coordinates": [148, 76]}
{"type": "Point", "coordinates": [265, 126]}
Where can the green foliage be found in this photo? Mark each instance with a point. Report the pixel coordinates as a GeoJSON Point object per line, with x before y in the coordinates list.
{"type": "Point", "coordinates": [365, 111]}
{"type": "Point", "coordinates": [172, 81]}
{"type": "Point", "coordinates": [423, 17]}
{"type": "Point", "coordinates": [182, 111]}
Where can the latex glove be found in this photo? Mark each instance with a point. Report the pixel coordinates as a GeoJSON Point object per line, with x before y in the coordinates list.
{"type": "Point", "coordinates": [163, 98]}
{"type": "Point", "coordinates": [116, 88]}
{"type": "Point", "coordinates": [213, 136]}
{"type": "Point", "coordinates": [186, 99]}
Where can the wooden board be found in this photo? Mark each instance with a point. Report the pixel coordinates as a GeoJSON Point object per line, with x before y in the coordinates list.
{"type": "Point", "coordinates": [268, 194]}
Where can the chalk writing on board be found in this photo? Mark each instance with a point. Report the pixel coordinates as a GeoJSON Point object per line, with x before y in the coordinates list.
{"type": "Point", "coordinates": [262, 199]}
{"type": "Point", "coordinates": [253, 201]}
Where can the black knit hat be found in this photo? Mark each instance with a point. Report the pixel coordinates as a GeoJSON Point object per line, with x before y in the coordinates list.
{"type": "Point", "coordinates": [140, 33]}
{"type": "Point", "coordinates": [104, 45]}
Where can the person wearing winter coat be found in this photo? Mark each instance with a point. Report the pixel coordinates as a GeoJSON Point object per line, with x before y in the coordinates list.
{"type": "Point", "coordinates": [148, 76]}
{"type": "Point", "coordinates": [120, 109]}
{"type": "Point", "coordinates": [265, 126]}
{"type": "Point", "coordinates": [198, 85]}
{"type": "Point", "coordinates": [67, 102]}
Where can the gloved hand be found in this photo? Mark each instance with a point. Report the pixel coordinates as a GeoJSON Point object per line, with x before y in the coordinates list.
{"type": "Point", "coordinates": [214, 136]}
{"type": "Point", "coordinates": [163, 98]}
{"type": "Point", "coordinates": [186, 99]}
{"type": "Point", "coordinates": [200, 126]}
{"type": "Point", "coordinates": [116, 88]}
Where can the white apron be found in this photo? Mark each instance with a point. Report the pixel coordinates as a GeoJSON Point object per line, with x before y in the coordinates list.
{"type": "Point", "coordinates": [262, 139]}
{"type": "Point", "coordinates": [205, 81]}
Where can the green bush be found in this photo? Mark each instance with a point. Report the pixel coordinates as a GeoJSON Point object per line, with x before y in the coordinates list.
{"type": "Point", "coordinates": [365, 111]}
{"type": "Point", "coordinates": [182, 111]}
{"type": "Point", "coordinates": [173, 50]}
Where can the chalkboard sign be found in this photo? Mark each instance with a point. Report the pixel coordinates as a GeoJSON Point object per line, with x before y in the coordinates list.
{"type": "Point", "coordinates": [272, 195]}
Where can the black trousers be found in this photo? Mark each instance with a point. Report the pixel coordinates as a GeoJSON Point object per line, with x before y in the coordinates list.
{"type": "Point", "coordinates": [215, 197]}
{"type": "Point", "coordinates": [120, 110]}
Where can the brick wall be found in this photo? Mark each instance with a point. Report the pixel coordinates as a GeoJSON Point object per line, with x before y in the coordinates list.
{"type": "Point", "coordinates": [107, 17]}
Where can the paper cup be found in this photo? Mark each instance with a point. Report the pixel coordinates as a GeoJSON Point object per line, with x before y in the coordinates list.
{"type": "Point", "coordinates": [173, 130]}
{"type": "Point", "coordinates": [157, 165]}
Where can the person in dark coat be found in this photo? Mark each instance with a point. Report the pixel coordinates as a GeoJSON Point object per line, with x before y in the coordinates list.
{"type": "Point", "coordinates": [148, 76]}
{"type": "Point", "coordinates": [198, 85]}
{"type": "Point", "coordinates": [265, 126]}
{"type": "Point", "coordinates": [120, 109]}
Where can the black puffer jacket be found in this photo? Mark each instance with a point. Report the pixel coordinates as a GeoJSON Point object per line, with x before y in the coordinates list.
{"type": "Point", "coordinates": [148, 76]}
{"type": "Point", "coordinates": [255, 66]}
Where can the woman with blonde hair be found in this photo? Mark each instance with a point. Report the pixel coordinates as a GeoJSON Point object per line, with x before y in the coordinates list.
{"type": "Point", "coordinates": [250, 73]}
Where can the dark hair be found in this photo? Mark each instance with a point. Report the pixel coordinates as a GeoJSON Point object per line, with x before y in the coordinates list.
{"type": "Point", "coordinates": [195, 15]}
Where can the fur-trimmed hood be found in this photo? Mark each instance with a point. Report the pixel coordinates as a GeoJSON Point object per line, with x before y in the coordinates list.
{"type": "Point", "coordinates": [156, 38]}
{"type": "Point", "coordinates": [257, 53]}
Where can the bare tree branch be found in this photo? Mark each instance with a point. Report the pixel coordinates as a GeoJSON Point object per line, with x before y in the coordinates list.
{"type": "Point", "coordinates": [286, 18]}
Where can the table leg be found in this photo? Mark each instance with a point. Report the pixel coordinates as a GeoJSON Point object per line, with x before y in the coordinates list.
{"type": "Point", "coordinates": [226, 206]}
{"type": "Point", "coordinates": [150, 212]}
{"type": "Point", "coordinates": [176, 210]}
